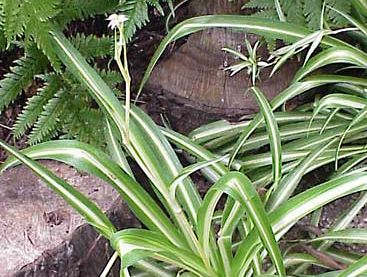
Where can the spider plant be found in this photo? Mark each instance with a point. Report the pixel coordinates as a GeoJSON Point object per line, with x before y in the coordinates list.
{"type": "Point", "coordinates": [303, 140]}
{"type": "Point", "coordinates": [232, 230]}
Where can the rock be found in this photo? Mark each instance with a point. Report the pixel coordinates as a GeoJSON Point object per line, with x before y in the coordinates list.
{"type": "Point", "coordinates": [40, 235]}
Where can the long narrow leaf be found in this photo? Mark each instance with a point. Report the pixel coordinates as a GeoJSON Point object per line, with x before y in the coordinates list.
{"type": "Point", "coordinates": [134, 245]}
{"type": "Point", "coordinates": [87, 158]}
{"type": "Point", "coordinates": [156, 158]}
{"type": "Point", "coordinates": [240, 188]}
{"type": "Point", "coordinates": [287, 94]}
{"type": "Point", "coordinates": [76, 199]}
{"type": "Point", "coordinates": [355, 270]}
{"type": "Point", "coordinates": [274, 137]}
{"type": "Point", "coordinates": [346, 236]}
{"type": "Point", "coordinates": [283, 218]}
{"type": "Point", "coordinates": [289, 183]}
{"type": "Point", "coordinates": [332, 56]}
{"type": "Point", "coordinates": [261, 26]}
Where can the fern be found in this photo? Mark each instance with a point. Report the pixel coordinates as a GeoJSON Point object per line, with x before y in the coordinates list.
{"type": "Point", "coordinates": [12, 19]}
{"type": "Point", "coordinates": [87, 125]}
{"type": "Point", "coordinates": [295, 11]}
{"type": "Point", "coordinates": [312, 11]}
{"type": "Point", "coordinates": [30, 19]}
{"type": "Point", "coordinates": [303, 12]}
{"type": "Point", "coordinates": [2, 41]}
{"type": "Point", "coordinates": [19, 78]}
{"type": "Point", "coordinates": [58, 107]}
{"type": "Point", "coordinates": [83, 9]}
{"type": "Point", "coordinates": [62, 105]}
{"type": "Point", "coordinates": [39, 31]}
{"type": "Point", "coordinates": [112, 78]}
{"type": "Point", "coordinates": [137, 12]}
{"type": "Point", "coordinates": [2, 36]}
{"type": "Point", "coordinates": [47, 125]}
{"type": "Point", "coordinates": [260, 4]}
{"type": "Point", "coordinates": [269, 14]}
{"type": "Point", "coordinates": [340, 5]}
{"type": "Point", "coordinates": [92, 47]}
{"type": "Point", "coordinates": [35, 104]}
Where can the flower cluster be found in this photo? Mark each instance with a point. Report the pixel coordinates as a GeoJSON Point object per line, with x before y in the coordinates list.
{"type": "Point", "coordinates": [116, 20]}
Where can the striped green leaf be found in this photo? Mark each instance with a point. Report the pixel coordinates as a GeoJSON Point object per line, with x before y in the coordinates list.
{"type": "Point", "coordinates": [283, 218]}
{"type": "Point", "coordinates": [261, 26]}
{"type": "Point", "coordinates": [239, 187]}
{"type": "Point", "coordinates": [273, 132]}
{"type": "Point", "coordinates": [345, 235]}
{"type": "Point", "coordinates": [357, 269]}
{"type": "Point", "coordinates": [333, 55]}
{"type": "Point", "coordinates": [87, 158]}
{"type": "Point", "coordinates": [83, 205]}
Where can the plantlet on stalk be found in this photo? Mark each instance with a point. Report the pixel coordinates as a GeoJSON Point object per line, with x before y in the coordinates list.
{"type": "Point", "coordinates": [252, 62]}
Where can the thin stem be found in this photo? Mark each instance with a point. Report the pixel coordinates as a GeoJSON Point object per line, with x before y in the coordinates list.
{"type": "Point", "coordinates": [191, 237]}
{"type": "Point", "coordinates": [279, 11]}
{"type": "Point", "coordinates": [109, 265]}
{"type": "Point", "coordinates": [120, 46]}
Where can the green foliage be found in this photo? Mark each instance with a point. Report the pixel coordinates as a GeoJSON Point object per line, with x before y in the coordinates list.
{"type": "Point", "coordinates": [60, 102]}
{"type": "Point", "coordinates": [188, 235]}
{"type": "Point", "coordinates": [137, 12]}
{"type": "Point", "coordinates": [26, 24]}
{"type": "Point", "coordinates": [63, 107]}
{"type": "Point", "coordinates": [20, 76]}
{"type": "Point", "coordinates": [304, 13]}
{"type": "Point", "coordinates": [84, 9]}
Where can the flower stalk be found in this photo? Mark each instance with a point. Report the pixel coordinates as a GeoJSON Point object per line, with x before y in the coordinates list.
{"type": "Point", "coordinates": [117, 24]}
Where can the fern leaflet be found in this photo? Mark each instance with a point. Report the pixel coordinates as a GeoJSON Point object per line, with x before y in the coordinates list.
{"type": "Point", "coordinates": [47, 125]}
{"type": "Point", "coordinates": [19, 78]}
{"type": "Point", "coordinates": [35, 104]}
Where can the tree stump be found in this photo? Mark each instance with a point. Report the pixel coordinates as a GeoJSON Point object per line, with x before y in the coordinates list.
{"type": "Point", "coordinates": [40, 235]}
{"type": "Point", "coordinates": [193, 75]}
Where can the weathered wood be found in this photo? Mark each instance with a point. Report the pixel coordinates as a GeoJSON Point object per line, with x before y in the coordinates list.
{"type": "Point", "coordinates": [193, 75]}
{"type": "Point", "coordinates": [40, 235]}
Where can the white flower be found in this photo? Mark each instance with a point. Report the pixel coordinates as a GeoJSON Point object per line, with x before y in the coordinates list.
{"type": "Point", "coordinates": [116, 20]}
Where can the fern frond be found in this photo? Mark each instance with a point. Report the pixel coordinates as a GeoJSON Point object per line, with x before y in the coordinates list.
{"type": "Point", "coordinates": [35, 104]}
{"type": "Point", "coordinates": [295, 11]}
{"type": "Point", "coordinates": [112, 78]}
{"type": "Point", "coordinates": [92, 47]}
{"type": "Point", "coordinates": [137, 12]}
{"type": "Point", "coordinates": [48, 123]}
{"type": "Point", "coordinates": [260, 4]}
{"type": "Point", "coordinates": [39, 31]}
{"type": "Point", "coordinates": [83, 9]}
{"type": "Point", "coordinates": [12, 19]}
{"type": "Point", "coordinates": [303, 12]}
{"type": "Point", "coordinates": [156, 5]}
{"type": "Point", "coordinates": [269, 14]}
{"type": "Point", "coordinates": [19, 78]}
{"type": "Point", "coordinates": [312, 11]}
{"type": "Point", "coordinates": [341, 5]}
{"type": "Point", "coordinates": [41, 9]}
{"type": "Point", "coordinates": [2, 40]}
{"type": "Point", "coordinates": [2, 36]}
{"type": "Point", "coordinates": [87, 125]}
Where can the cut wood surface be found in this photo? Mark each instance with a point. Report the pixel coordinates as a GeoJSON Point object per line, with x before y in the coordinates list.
{"type": "Point", "coordinates": [193, 74]}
